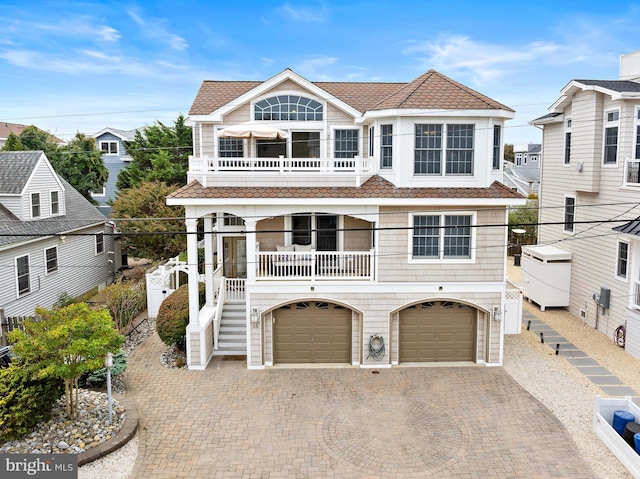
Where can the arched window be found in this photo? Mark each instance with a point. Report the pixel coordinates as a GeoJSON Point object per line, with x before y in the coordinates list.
{"type": "Point", "coordinates": [289, 108]}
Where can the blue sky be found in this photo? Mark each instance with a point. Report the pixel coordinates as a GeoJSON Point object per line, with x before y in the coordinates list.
{"type": "Point", "coordinates": [81, 66]}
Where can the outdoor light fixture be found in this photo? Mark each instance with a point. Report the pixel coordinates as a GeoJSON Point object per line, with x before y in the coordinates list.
{"type": "Point", "coordinates": [108, 363]}
{"type": "Point", "coordinates": [497, 313]}
{"type": "Point", "coordinates": [255, 315]}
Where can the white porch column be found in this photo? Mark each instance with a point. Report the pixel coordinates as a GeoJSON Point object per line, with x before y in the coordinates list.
{"type": "Point", "coordinates": [209, 267]}
{"type": "Point", "coordinates": [250, 228]}
{"type": "Point", "coordinates": [192, 265]}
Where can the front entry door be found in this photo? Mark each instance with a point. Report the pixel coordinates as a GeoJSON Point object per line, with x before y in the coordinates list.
{"type": "Point", "coordinates": [235, 257]}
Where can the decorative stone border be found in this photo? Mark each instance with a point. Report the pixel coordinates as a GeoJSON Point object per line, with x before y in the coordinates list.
{"type": "Point", "coordinates": [120, 439]}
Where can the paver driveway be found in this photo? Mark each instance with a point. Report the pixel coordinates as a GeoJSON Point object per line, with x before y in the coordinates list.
{"type": "Point", "coordinates": [442, 422]}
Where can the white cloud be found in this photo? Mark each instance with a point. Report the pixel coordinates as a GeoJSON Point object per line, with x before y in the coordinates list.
{"type": "Point", "coordinates": [316, 69]}
{"type": "Point", "coordinates": [305, 15]}
{"type": "Point", "coordinates": [78, 26]}
{"type": "Point", "coordinates": [484, 61]}
{"type": "Point", "coordinates": [154, 28]}
{"type": "Point", "coordinates": [99, 55]}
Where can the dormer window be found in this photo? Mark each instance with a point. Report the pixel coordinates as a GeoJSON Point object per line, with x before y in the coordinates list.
{"type": "Point", "coordinates": [35, 205]}
{"type": "Point", "coordinates": [288, 108]}
{"type": "Point", "coordinates": [109, 147]}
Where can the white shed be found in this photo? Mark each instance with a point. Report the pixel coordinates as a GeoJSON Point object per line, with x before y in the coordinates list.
{"type": "Point", "coordinates": [546, 275]}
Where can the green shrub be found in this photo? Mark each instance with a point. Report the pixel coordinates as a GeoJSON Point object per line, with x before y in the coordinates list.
{"type": "Point", "coordinates": [25, 401]}
{"type": "Point", "coordinates": [173, 316]}
{"type": "Point", "coordinates": [64, 299]}
{"type": "Point", "coordinates": [99, 376]}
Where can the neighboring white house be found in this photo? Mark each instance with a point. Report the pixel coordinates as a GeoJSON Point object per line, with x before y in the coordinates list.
{"type": "Point", "coordinates": [347, 216]}
{"type": "Point", "coordinates": [111, 143]}
{"type": "Point", "coordinates": [52, 239]}
{"type": "Point", "coordinates": [591, 187]}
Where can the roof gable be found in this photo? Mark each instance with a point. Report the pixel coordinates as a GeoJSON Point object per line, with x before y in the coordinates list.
{"type": "Point", "coordinates": [16, 170]}
{"type": "Point", "coordinates": [124, 135]}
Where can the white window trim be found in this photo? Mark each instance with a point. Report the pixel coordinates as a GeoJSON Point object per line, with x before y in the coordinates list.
{"type": "Point", "coordinates": [99, 194]}
{"type": "Point", "coordinates": [441, 259]}
{"type": "Point", "coordinates": [332, 140]}
{"type": "Point", "coordinates": [46, 269]}
{"type": "Point", "coordinates": [106, 153]}
{"type": "Point", "coordinates": [393, 147]}
{"type": "Point", "coordinates": [15, 269]}
{"type": "Point", "coordinates": [568, 124]}
{"type": "Point", "coordinates": [624, 279]}
{"type": "Point", "coordinates": [636, 124]}
{"type": "Point", "coordinates": [575, 214]}
{"type": "Point", "coordinates": [31, 205]}
{"type": "Point", "coordinates": [443, 157]}
{"type": "Point", "coordinates": [51, 203]}
{"type": "Point", "coordinates": [96, 244]}
{"type": "Point", "coordinates": [610, 124]}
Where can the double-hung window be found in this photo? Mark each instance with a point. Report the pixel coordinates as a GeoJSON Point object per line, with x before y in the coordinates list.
{"type": "Point", "coordinates": [346, 144]}
{"type": "Point", "coordinates": [230, 147]}
{"type": "Point", "coordinates": [497, 144]}
{"type": "Point", "coordinates": [386, 146]}
{"type": "Point", "coordinates": [23, 279]}
{"type": "Point", "coordinates": [567, 141]}
{"type": "Point", "coordinates": [99, 243]}
{"type": "Point", "coordinates": [51, 259]}
{"type": "Point", "coordinates": [612, 121]}
{"type": "Point", "coordinates": [622, 261]}
{"type": "Point", "coordinates": [569, 213]}
{"type": "Point", "coordinates": [441, 237]}
{"type": "Point", "coordinates": [35, 205]}
{"type": "Point", "coordinates": [55, 203]}
{"type": "Point", "coordinates": [457, 151]}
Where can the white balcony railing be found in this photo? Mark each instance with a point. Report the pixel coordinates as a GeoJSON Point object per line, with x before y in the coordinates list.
{"type": "Point", "coordinates": [322, 165]}
{"type": "Point", "coordinates": [632, 172]}
{"type": "Point", "coordinates": [315, 265]}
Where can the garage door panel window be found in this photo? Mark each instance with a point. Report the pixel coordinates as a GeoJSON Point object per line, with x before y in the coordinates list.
{"type": "Point", "coordinates": [441, 237]}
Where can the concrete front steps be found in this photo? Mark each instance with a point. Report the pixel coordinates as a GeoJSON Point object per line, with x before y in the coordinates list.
{"type": "Point", "coordinates": [233, 330]}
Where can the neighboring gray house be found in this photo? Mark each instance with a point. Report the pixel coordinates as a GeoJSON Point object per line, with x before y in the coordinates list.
{"type": "Point", "coordinates": [590, 196]}
{"type": "Point", "coordinates": [52, 240]}
{"type": "Point", "coordinates": [523, 174]}
{"type": "Point", "coordinates": [110, 141]}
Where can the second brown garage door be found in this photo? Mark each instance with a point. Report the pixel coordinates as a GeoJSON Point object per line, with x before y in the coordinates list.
{"type": "Point", "coordinates": [312, 332]}
{"type": "Point", "coordinates": [437, 331]}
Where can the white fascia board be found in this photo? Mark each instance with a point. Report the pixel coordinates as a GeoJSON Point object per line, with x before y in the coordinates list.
{"type": "Point", "coordinates": [316, 202]}
{"type": "Point", "coordinates": [267, 85]}
{"type": "Point", "coordinates": [43, 160]}
{"type": "Point", "coordinates": [192, 120]}
{"type": "Point", "coordinates": [417, 112]}
{"type": "Point", "coordinates": [450, 290]}
{"type": "Point", "coordinates": [109, 130]}
{"type": "Point", "coordinates": [546, 121]}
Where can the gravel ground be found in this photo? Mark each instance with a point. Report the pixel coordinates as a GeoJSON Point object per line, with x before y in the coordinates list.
{"type": "Point", "coordinates": [561, 387]}
{"type": "Point", "coordinates": [567, 393]}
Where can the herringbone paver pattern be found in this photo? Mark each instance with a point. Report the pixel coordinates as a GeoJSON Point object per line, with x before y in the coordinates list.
{"type": "Point", "coordinates": [446, 422]}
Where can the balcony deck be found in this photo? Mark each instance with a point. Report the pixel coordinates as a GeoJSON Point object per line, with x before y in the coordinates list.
{"type": "Point", "coordinates": [315, 265]}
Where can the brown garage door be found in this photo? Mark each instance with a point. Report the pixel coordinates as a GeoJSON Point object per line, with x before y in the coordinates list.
{"type": "Point", "coordinates": [437, 331]}
{"type": "Point", "coordinates": [312, 332]}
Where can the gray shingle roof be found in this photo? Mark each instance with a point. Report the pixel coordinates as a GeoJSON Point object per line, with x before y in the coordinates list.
{"type": "Point", "coordinates": [631, 228]}
{"type": "Point", "coordinates": [15, 169]}
{"type": "Point", "coordinates": [620, 86]}
{"type": "Point", "coordinates": [80, 213]}
{"type": "Point", "coordinates": [548, 115]}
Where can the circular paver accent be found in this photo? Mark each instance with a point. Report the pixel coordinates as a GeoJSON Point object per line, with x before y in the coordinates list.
{"type": "Point", "coordinates": [393, 435]}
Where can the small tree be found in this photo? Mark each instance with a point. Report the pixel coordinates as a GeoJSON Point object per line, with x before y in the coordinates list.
{"type": "Point", "coordinates": [145, 213]}
{"type": "Point", "coordinates": [66, 343]}
{"type": "Point", "coordinates": [526, 218]}
{"type": "Point", "coordinates": [125, 301]}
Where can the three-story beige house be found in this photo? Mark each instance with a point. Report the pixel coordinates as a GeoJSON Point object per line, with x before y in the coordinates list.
{"type": "Point", "coordinates": [591, 196]}
{"type": "Point", "coordinates": [349, 223]}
